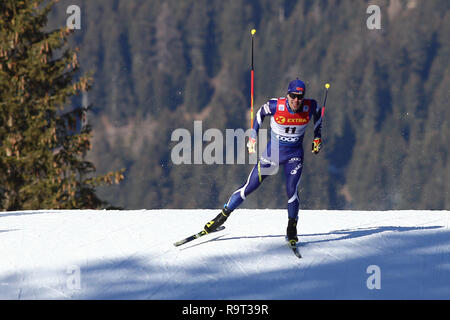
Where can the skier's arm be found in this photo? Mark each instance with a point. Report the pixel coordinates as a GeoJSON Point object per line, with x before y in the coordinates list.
{"type": "Point", "coordinates": [268, 108]}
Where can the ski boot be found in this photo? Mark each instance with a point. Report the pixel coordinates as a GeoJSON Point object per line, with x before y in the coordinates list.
{"type": "Point", "coordinates": [291, 232]}
{"type": "Point", "coordinates": [218, 221]}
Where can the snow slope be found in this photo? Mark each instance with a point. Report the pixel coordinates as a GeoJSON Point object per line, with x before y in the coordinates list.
{"type": "Point", "coordinates": [129, 255]}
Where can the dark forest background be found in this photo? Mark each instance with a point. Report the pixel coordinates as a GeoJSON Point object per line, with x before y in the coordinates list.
{"type": "Point", "coordinates": [161, 65]}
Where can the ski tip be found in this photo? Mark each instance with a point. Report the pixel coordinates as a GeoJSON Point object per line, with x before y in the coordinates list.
{"type": "Point", "coordinates": [178, 243]}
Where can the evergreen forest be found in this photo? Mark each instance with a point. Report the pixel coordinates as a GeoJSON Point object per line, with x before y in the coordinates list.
{"type": "Point", "coordinates": [158, 66]}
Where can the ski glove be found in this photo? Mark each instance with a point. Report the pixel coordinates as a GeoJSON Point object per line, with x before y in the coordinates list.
{"type": "Point", "coordinates": [251, 145]}
{"type": "Point", "coordinates": [316, 145]}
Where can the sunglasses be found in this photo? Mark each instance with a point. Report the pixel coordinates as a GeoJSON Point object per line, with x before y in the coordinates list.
{"type": "Point", "coordinates": [294, 95]}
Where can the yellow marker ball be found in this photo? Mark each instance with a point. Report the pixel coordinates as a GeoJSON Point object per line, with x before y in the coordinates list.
{"type": "Point", "coordinates": [253, 31]}
{"type": "Point", "coordinates": [327, 85]}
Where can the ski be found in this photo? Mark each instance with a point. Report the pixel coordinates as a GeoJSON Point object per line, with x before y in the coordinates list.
{"type": "Point", "coordinates": [196, 236]}
{"type": "Point", "coordinates": [294, 247]}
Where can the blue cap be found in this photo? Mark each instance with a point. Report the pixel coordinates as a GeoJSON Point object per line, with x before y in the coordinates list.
{"type": "Point", "coordinates": [297, 86]}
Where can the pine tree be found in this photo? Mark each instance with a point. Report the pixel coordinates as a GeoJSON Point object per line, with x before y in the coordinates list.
{"type": "Point", "coordinates": [42, 145]}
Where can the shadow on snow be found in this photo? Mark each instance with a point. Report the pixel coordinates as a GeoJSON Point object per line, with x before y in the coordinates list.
{"type": "Point", "coordinates": [414, 264]}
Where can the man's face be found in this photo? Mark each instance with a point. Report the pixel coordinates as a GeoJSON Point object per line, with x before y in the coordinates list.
{"type": "Point", "coordinates": [295, 101]}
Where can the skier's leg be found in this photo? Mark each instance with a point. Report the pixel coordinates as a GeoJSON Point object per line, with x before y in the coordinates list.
{"type": "Point", "coordinates": [293, 172]}
{"type": "Point", "coordinates": [254, 180]}
{"type": "Point", "coordinates": [260, 171]}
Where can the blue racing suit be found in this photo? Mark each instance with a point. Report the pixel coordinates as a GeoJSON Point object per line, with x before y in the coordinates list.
{"type": "Point", "coordinates": [284, 148]}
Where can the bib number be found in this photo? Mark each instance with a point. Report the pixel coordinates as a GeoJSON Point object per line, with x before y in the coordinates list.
{"type": "Point", "coordinates": [290, 130]}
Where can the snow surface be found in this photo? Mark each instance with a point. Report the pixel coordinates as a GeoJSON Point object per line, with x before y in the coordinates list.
{"type": "Point", "coordinates": [130, 255]}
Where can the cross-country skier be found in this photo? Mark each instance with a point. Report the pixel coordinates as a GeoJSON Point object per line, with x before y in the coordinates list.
{"type": "Point", "coordinates": [290, 116]}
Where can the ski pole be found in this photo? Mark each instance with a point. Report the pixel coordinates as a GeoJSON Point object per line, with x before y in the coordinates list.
{"type": "Point", "coordinates": [327, 86]}
{"type": "Point", "coordinates": [252, 83]}
{"type": "Point", "coordinates": [316, 145]}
